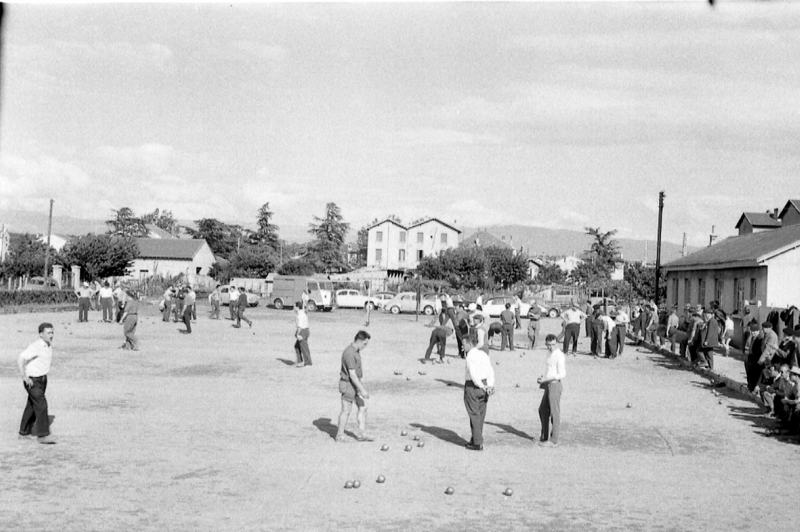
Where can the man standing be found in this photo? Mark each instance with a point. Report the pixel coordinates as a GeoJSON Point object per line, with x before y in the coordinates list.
{"type": "Point", "coordinates": [439, 340]}
{"type": "Point", "coordinates": [589, 311]}
{"type": "Point", "coordinates": [621, 329]}
{"type": "Point", "coordinates": [709, 339]}
{"type": "Point", "coordinates": [188, 304]}
{"type": "Point", "coordinates": [84, 294]}
{"type": "Point", "coordinates": [130, 317]}
{"type": "Point", "coordinates": [478, 386]}
{"type": "Point", "coordinates": [572, 328]}
{"type": "Point", "coordinates": [241, 308]}
{"type": "Point", "coordinates": [598, 332]}
{"type": "Point", "coordinates": [301, 334]}
{"type": "Point", "coordinates": [121, 298]}
{"type": "Point", "coordinates": [106, 296]}
{"type": "Point", "coordinates": [304, 298]}
{"type": "Point", "coordinates": [550, 407]}
{"type": "Point", "coordinates": [352, 388]}
{"type": "Point", "coordinates": [517, 312]}
{"type": "Point", "coordinates": [33, 365]}
{"type": "Point", "coordinates": [507, 318]}
{"type": "Point", "coordinates": [610, 342]}
{"type": "Point", "coordinates": [534, 316]}
{"type": "Point", "coordinates": [460, 320]}
{"type": "Point", "coordinates": [233, 302]}
{"type": "Point", "coordinates": [673, 322]}
{"type": "Point", "coordinates": [215, 301]}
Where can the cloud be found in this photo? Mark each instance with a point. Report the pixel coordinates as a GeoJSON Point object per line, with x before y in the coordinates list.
{"type": "Point", "coordinates": [438, 137]}
{"type": "Point", "coordinates": [149, 158]}
{"type": "Point", "coordinates": [261, 51]}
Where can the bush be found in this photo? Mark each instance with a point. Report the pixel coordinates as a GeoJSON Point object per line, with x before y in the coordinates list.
{"type": "Point", "coordinates": [10, 298]}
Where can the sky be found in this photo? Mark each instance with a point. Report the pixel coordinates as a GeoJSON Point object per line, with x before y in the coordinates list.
{"type": "Point", "coordinates": [559, 115]}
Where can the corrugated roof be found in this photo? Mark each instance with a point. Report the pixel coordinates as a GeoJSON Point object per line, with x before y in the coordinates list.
{"type": "Point", "coordinates": [168, 248]}
{"type": "Point", "coordinates": [741, 251]}
{"type": "Point", "coordinates": [759, 219]}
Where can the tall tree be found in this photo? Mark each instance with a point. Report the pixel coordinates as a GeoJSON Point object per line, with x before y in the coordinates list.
{"type": "Point", "coordinates": [26, 257]}
{"type": "Point", "coordinates": [504, 267]}
{"type": "Point", "coordinates": [329, 233]}
{"type": "Point", "coordinates": [550, 273]}
{"type": "Point", "coordinates": [223, 239]}
{"type": "Point", "coordinates": [162, 219]}
{"type": "Point", "coordinates": [100, 256]}
{"type": "Point", "coordinates": [604, 251]}
{"type": "Point", "coordinates": [252, 261]}
{"type": "Point", "coordinates": [126, 224]}
{"type": "Point", "coordinates": [267, 233]}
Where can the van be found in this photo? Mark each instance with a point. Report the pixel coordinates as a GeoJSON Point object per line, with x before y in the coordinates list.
{"type": "Point", "coordinates": [288, 289]}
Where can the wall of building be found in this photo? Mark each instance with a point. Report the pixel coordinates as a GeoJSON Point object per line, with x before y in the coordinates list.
{"type": "Point", "coordinates": [203, 259]}
{"type": "Point", "coordinates": [389, 245]}
{"type": "Point", "coordinates": [166, 268]}
{"type": "Point", "coordinates": [727, 277]}
{"type": "Point", "coordinates": [792, 217]}
{"type": "Point", "coordinates": [784, 280]}
{"type": "Point", "coordinates": [745, 228]}
{"type": "Point", "coordinates": [431, 244]}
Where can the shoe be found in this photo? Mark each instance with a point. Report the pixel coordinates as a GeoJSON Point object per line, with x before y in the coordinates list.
{"type": "Point", "coordinates": [299, 365]}
{"type": "Point", "coordinates": [338, 439]}
{"type": "Point", "coordinates": [547, 443]}
{"type": "Point", "coordinates": [46, 440]}
{"type": "Point", "coordinates": [473, 447]}
{"type": "Point", "coordinates": [250, 324]}
{"type": "Point", "coordinates": [26, 436]}
{"type": "Point", "coordinates": [364, 437]}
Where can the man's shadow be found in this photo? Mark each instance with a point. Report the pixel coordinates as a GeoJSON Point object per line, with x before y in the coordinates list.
{"type": "Point", "coordinates": [324, 424]}
{"type": "Point", "coordinates": [511, 430]}
{"type": "Point", "coordinates": [441, 433]}
{"type": "Point", "coordinates": [286, 361]}
{"type": "Point", "coordinates": [451, 383]}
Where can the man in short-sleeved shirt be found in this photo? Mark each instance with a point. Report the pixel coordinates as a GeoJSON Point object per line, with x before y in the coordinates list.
{"type": "Point", "coordinates": [352, 389]}
{"type": "Point", "coordinates": [34, 365]}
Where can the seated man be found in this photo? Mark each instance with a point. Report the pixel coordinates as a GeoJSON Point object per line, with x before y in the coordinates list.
{"type": "Point", "coordinates": [767, 388]}
{"type": "Point", "coordinates": [780, 388]}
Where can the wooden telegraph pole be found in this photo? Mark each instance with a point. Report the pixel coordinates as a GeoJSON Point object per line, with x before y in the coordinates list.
{"type": "Point", "coordinates": [658, 243]}
{"type": "Point", "coordinates": [47, 251]}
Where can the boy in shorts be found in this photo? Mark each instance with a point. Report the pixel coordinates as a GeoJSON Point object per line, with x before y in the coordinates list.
{"type": "Point", "coordinates": [352, 389]}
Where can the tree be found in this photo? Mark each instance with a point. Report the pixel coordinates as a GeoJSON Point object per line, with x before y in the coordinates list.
{"type": "Point", "coordinates": [163, 220]}
{"type": "Point", "coordinates": [550, 274]}
{"type": "Point", "coordinates": [604, 251]}
{"type": "Point", "coordinates": [362, 246]}
{"type": "Point", "coordinates": [267, 233]}
{"type": "Point", "coordinates": [504, 267]}
{"type": "Point", "coordinates": [100, 256]}
{"type": "Point", "coordinates": [26, 257]}
{"type": "Point", "coordinates": [223, 239]}
{"type": "Point", "coordinates": [297, 267]}
{"type": "Point", "coordinates": [126, 224]}
{"type": "Point", "coordinates": [252, 261]}
{"type": "Point", "coordinates": [642, 280]}
{"type": "Point", "coordinates": [329, 233]}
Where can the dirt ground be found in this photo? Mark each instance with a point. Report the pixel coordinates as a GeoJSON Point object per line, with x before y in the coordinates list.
{"type": "Point", "coordinates": [217, 431]}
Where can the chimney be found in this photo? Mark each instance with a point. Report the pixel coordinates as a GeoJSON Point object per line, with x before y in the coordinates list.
{"type": "Point", "coordinates": [775, 213]}
{"type": "Point", "coordinates": [712, 237]}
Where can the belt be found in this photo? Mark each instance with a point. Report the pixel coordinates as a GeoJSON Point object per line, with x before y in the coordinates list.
{"type": "Point", "coordinates": [38, 378]}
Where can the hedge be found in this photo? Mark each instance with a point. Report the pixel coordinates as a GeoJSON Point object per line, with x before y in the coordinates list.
{"type": "Point", "coordinates": [10, 298]}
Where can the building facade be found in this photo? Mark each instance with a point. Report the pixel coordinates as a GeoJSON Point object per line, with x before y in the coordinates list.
{"type": "Point", "coordinates": [170, 257]}
{"type": "Point", "coordinates": [393, 246]}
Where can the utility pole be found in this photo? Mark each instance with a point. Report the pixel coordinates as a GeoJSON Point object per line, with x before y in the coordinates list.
{"type": "Point", "coordinates": [47, 250]}
{"type": "Point", "coordinates": [658, 244]}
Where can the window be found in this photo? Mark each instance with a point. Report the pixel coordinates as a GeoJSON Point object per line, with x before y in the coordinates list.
{"type": "Point", "coordinates": [719, 284]}
{"type": "Point", "coordinates": [419, 254]}
{"type": "Point", "coordinates": [378, 255]}
{"type": "Point", "coordinates": [752, 290]}
{"type": "Point", "coordinates": [738, 295]}
{"type": "Point", "coordinates": [675, 291]}
{"type": "Point", "coordinates": [687, 291]}
{"type": "Point", "coordinates": [402, 237]}
{"type": "Point", "coordinates": [444, 238]}
{"type": "Point", "coordinates": [420, 238]}
{"type": "Point", "coordinates": [402, 255]}
{"type": "Point", "coordinates": [701, 291]}
{"type": "Point", "coordinates": [378, 236]}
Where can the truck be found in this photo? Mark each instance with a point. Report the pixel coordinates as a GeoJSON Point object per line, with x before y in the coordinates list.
{"type": "Point", "coordinates": [288, 289]}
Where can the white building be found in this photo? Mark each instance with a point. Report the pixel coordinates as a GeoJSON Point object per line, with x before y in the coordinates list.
{"type": "Point", "coordinates": [393, 246]}
{"type": "Point", "coordinates": [57, 242]}
{"type": "Point", "coordinates": [567, 264]}
{"type": "Point", "coordinates": [169, 257]}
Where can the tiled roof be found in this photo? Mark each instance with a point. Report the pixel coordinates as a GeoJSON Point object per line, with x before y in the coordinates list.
{"type": "Point", "coordinates": [485, 240]}
{"type": "Point", "coordinates": [759, 219]}
{"type": "Point", "coordinates": [156, 232]}
{"type": "Point", "coordinates": [401, 226]}
{"type": "Point", "coordinates": [168, 248]}
{"type": "Point", "coordinates": [741, 251]}
{"type": "Point", "coordinates": [435, 220]}
{"type": "Point", "coordinates": [792, 202]}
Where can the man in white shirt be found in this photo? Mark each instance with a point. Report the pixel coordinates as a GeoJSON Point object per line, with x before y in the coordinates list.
{"type": "Point", "coordinates": [33, 365]}
{"type": "Point", "coordinates": [572, 327]}
{"type": "Point", "coordinates": [301, 333]}
{"type": "Point", "coordinates": [622, 320]}
{"type": "Point", "coordinates": [610, 337]}
{"type": "Point", "coordinates": [478, 386]}
{"type": "Point", "coordinates": [233, 302]}
{"type": "Point", "coordinates": [550, 407]}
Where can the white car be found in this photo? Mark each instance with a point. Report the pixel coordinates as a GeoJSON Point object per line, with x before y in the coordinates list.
{"type": "Point", "coordinates": [347, 298]}
{"type": "Point", "coordinates": [495, 305]}
{"type": "Point", "coordinates": [225, 296]}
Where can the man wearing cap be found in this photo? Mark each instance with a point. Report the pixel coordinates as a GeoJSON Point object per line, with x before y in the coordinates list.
{"type": "Point", "coordinates": [769, 344]}
{"type": "Point", "coordinates": [788, 347]}
{"type": "Point", "coordinates": [709, 339]}
{"type": "Point", "coordinates": [84, 294]}
{"type": "Point", "coordinates": [572, 319]}
{"type": "Point", "coordinates": [791, 402]}
{"type": "Point", "coordinates": [693, 336]}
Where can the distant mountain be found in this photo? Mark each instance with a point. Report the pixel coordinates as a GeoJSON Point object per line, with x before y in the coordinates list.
{"type": "Point", "coordinates": [36, 223]}
{"type": "Point", "coordinates": [538, 241]}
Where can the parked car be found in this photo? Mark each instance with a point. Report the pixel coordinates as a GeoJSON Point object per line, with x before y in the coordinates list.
{"type": "Point", "coordinates": [40, 283]}
{"type": "Point", "coordinates": [407, 302]}
{"type": "Point", "coordinates": [598, 301]}
{"type": "Point", "coordinates": [543, 311]}
{"type": "Point", "coordinates": [383, 297]}
{"type": "Point", "coordinates": [225, 296]}
{"type": "Point", "coordinates": [495, 305]}
{"type": "Point", "coordinates": [348, 298]}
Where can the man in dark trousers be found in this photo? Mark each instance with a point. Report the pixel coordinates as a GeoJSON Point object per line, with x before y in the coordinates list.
{"type": "Point", "coordinates": [589, 310]}
{"type": "Point", "coordinates": [709, 339]}
{"type": "Point", "coordinates": [438, 339]}
{"type": "Point", "coordinates": [460, 320]}
{"type": "Point", "coordinates": [188, 303]}
{"type": "Point", "coordinates": [508, 320]}
{"type": "Point", "coordinates": [33, 365]}
{"type": "Point", "coordinates": [241, 308]}
{"type": "Point", "coordinates": [478, 386]}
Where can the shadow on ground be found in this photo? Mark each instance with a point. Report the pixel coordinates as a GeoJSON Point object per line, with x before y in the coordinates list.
{"type": "Point", "coordinates": [443, 434]}
{"type": "Point", "coordinates": [508, 429]}
{"type": "Point", "coordinates": [325, 425]}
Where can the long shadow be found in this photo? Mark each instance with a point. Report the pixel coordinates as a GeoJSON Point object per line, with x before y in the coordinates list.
{"type": "Point", "coordinates": [286, 361]}
{"type": "Point", "coordinates": [324, 424]}
{"type": "Point", "coordinates": [441, 433]}
{"type": "Point", "coordinates": [451, 383]}
{"type": "Point", "coordinates": [511, 430]}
